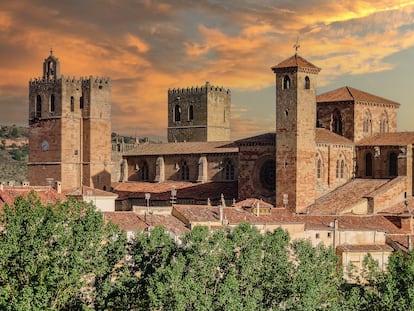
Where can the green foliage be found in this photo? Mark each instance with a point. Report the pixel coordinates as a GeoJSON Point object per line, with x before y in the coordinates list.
{"type": "Point", "coordinates": [56, 257]}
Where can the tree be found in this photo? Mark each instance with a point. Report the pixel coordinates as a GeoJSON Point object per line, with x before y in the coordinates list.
{"type": "Point", "coordinates": [56, 257]}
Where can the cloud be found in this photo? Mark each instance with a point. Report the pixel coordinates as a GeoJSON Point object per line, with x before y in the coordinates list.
{"type": "Point", "coordinates": [147, 47]}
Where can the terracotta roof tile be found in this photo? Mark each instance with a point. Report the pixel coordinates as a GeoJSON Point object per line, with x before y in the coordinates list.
{"type": "Point", "coordinates": [85, 190]}
{"type": "Point", "coordinates": [185, 190]}
{"type": "Point", "coordinates": [46, 194]}
{"type": "Point", "coordinates": [252, 202]}
{"type": "Point", "coordinates": [326, 136]}
{"type": "Point", "coordinates": [347, 93]}
{"type": "Point", "coordinates": [169, 222]}
{"type": "Point", "coordinates": [388, 139]}
{"type": "Point", "coordinates": [361, 248]}
{"type": "Point", "coordinates": [343, 198]}
{"type": "Point", "coordinates": [183, 148]}
{"type": "Point", "coordinates": [295, 61]}
{"type": "Point", "coordinates": [128, 221]}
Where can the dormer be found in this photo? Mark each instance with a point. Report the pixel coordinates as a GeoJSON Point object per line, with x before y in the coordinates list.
{"type": "Point", "coordinates": [51, 67]}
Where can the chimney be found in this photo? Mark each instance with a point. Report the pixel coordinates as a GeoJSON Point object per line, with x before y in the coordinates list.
{"type": "Point", "coordinates": [221, 213]}
{"type": "Point", "coordinates": [58, 186]}
{"type": "Point", "coordinates": [406, 224]}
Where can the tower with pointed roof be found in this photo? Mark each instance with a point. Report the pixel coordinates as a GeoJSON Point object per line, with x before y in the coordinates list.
{"type": "Point", "coordinates": [296, 80]}
{"type": "Point", "coordinates": [69, 129]}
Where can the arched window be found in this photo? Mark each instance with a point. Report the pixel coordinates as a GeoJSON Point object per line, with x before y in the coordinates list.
{"type": "Point", "coordinates": [367, 122]}
{"type": "Point", "coordinates": [337, 169]}
{"type": "Point", "coordinates": [52, 103]}
{"type": "Point", "coordinates": [229, 170]}
{"type": "Point", "coordinates": [72, 104]}
{"type": "Point", "coordinates": [342, 169]}
{"type": "Point", "coordinates": [143, 172]}
{"type": "Point", "coordinates": [81, 102]}
{"type": "Point", "coordinates": [393, 164]}
{"type": "Point", "coordinates": [185, 171]}
{"type": "Point", "coordinates": [307, 83]}
{"type": "Point", "coordinates": [177, 113]}
{"type": "Point", "coordinates": [38, 106]}
{"type": "Point", "coordinates": [368, 164]}
{"type": "Point", "coordinates": [319, 168]}
{"type": "Point", "coordinates": [337, 122]}
{"type": "Point", "coordinates": [190, 113]}
{"type": "Point", "coordinates": [384, 123]}
{"type": "Point", "coordinates": [286, 83]}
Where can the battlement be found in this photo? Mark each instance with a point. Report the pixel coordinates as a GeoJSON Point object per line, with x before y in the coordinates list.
{"type": "Point", "coordinates": [199, 89]}
{"type": "Point", "coordinates": [71, 80]}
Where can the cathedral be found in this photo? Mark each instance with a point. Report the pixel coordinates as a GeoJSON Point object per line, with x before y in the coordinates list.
{"type": "Point", "coordinates": [333, 153]}
{"type": "Point", "coordinates": [343, 142]}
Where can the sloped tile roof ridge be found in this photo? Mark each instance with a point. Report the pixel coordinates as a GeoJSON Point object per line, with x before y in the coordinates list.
{"type": "Point", "coordinates": [389, 184]}
{"type": "Point", "coordinates": [388, 139]}
{"type": "Point", "coordinates": [326, 136]}
{"type": "Point", "coordinates": [347, 93]}
{"type": "Point", "coordinates": [295, 61]}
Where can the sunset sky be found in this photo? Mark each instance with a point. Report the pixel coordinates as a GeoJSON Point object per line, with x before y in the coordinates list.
{"type": "Point", "coordinates": [147, 47]}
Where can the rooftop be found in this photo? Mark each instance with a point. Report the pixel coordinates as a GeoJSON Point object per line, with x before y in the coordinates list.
{"type": "Point", "coordinates": [388, 139]}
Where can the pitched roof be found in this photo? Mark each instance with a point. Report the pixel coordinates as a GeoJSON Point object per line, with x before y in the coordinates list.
{"type": "Point", "coordinates": [128, 221]}
{"type": "Point", "coordinates": [347, 93]}
{"type": "Point", "coordinates": [262, 139]}
{"type": "Point", "coordinates": [85, 190]}
{"type": "Point", "coordinates": [343, 198]}
{"type": "Point", "coordinates": [362, 248]}
{"type": "Point", "coordinates": [328, 137]}
{"type": "Point", "coordinates": [46, 194]}
{"type": "Point", "coordinates": [185, 190]}
{"type": "Point", "coordinates": [169, 222]}
{"type": "Point", "coordinates": [388, 139]}
{"type": "Point", "coordinates": [183, 148]}
{"type": "Point", "coordinates": [294, 62]}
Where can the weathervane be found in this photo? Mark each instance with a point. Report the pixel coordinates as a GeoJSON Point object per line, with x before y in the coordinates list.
{"type": "Point", "coordinates": [296, 46]}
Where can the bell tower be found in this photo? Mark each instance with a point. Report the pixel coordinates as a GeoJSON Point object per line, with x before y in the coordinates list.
{"type": "Point", "coordinates": [51, 67]}
{"type": "Point", "coordinates": [295, 133]}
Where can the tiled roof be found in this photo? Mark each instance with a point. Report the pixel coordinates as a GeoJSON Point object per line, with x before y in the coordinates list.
{"type": "Point", "coordinates": [85, 190]}
{"type": "Point", "coordinates": [399, 208]}
{"type": "Point", "coordinates": [169, 222]}
{"type": "Point", "coordinates": [185, 190]}
{"type": "Point", "coordinates": [295, 61]}
{"type": "Point", "coordinates": [388, 139]}
{"type": "Point", "coordinates": [343, 198]}
{"type": "Point", "coordinates": [351, 222]}
{"type": "Point", "coordinates": [401, 239]}
{"type": "Point", "coordinates": [128, 221]}
{"type": "Point", "coordinates": [252, 202]}
{"type": "Point", "coordinates": [46, 194]}
{"type": "Point", "coordinates": [362, 248]}
{"type": "Point", "coordinates": [347, 93]}
{"type": "Point", "coordinates": [234, 215]}
{"type": "Point", "coordinates": [326, 136]}
{"type": "Point", "coordinates": [183, 148]}
{"type": "Point", "coordinates": [267, 138]}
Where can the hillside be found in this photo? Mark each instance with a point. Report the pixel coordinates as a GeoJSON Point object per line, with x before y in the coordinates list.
{"type": "Point", "coordinates": [13, 153]}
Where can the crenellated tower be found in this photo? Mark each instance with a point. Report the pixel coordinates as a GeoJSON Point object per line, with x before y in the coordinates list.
{"type": "Point", "coordinates": [69, 129]}
{"type": "Point", "coordinates": [295, 133]}
{"type": "Point", "coordinates": [199, 114]}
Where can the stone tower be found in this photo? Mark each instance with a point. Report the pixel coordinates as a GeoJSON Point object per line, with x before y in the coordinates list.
{"type": "Point", "coordinates": [69, 129]}
{"type": "Point", "coordinates": [295, 133]}
{"type": "Point", "coordinates": [199, 114]}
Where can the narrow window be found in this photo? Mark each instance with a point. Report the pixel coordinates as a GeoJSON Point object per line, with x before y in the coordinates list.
{"type": "Point", "coordinates": [368, 164]}
{"type": "Point", "coordinates": [307, 83]}
{"type": "Point", "coordinates": [229, 170]}
{"type": "Point", "coordinates": [185, 171]}
{"type": "Point", "coordinates": [337, 169]}
{"type": "Point", "coordinates": [38, 106]}
{"type": "Point", "coordinates": [190, 113]}
{"type": "Point", "coordinates": [286, 83]}
{"type": "Point", "coordinates": [144, 171]}
{"type": "Point", "coordinates": [319, 169]}
{"type": "Point", "coordinates": [72, 104]}
{"type": "Point", "coordinates": [52, 103]}
{"type": "Point", "coordinates": [337, 122]}
{"type": "Point", "coordinates": [393, 165]}
{"type": "Point", "coordinates": [81, 102]}
{"type": "Point", "coordinates": [177, 113]}
{"type": "Point", "coordinates": [342, 169]}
